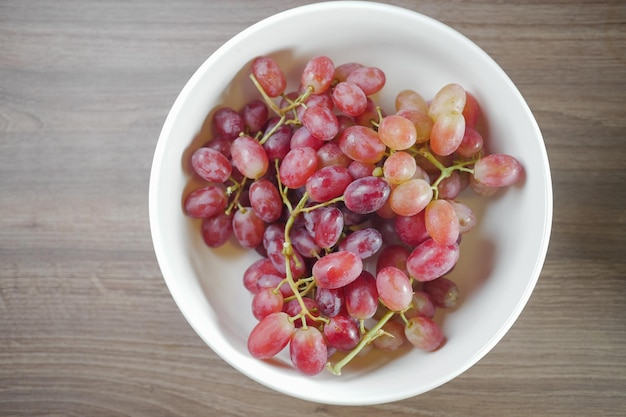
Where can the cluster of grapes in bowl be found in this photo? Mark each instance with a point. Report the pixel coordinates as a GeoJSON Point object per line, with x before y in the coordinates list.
{"type": "Point", "coordinates": [354, 210]}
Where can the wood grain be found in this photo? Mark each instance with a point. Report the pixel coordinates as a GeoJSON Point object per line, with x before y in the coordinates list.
{"type": "Point", "coordinates": [87, 326]}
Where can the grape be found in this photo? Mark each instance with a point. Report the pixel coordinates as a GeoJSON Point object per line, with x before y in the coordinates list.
{"type": "Point", "coordinates": [471, 111]}
{"type": "Point", "coordinates": [361, 296]}
{"type": "Point", "coordinates": [342, 332]}
{"type": "Point", "coordinates": [394, 288]}
{"type": "Point", "coordinates": [450, 98]}
{"type": "Point", "coordinates": [364, 242]}
{"type": "Point", "coordinates": [308, 350]}
{"type": "Point", "coordinates": [359, 169]}
{"type": "Point", "coordinates": [265, 302]}
{"type": "Point", "coordinates": [471, 144]}
{"type": "Point", "coordinates": [249, 157]}
{"type": "Point", "coordinates": [447, 133]}
{"type": "Point", "coordinates": [329, 226]}
{"type": "Point", "coordinates": [274, 248]}
{"type": "Point", "coordinates": [278, 143]}
{"type": "Point", "coordinates": [327, 183]}
{"type": "Point", "coordinates": [465, 215]}
{"type": "Point", "coordinates": [362, 144]}
{"type": "Point", "coordinates": [480, 188]}
{"type": "Point", "coordinates": [421, 121]}
{"type": "Point", "coordinates": [216, 230]}
{"type": "Point", "coordinates": [349, 98]}
{"type": "Point", "coordinates": [254, 114]}
{"type": "Point", "coordinates": [265, 200]}
{"type": "Point", "coordinates": [423, 333]}
{"type": "Point", "coordinates": [304, 243]}
{"type": "Point", "coordinates": [441, 222]}
{"type": "Point", "coordinates": [399, 167]}
{"type": "Point", "coordinates": [330, 154]}
{"type": "Point", "coordinates": [316, 100]}
{"type": "Point", "coordinates": [301, 137]}
{"type": "Point", "coordinates": [410, 197]}
{"type": "Point", "coordinates": [370, 79]}
{"type": "Point", "coordinates": [297, 166]}
{"type": "Point", "coordinates": [411, 229]}
{"type": "Point", "coordinates": [337, 269]}
{"type": "Point", "coordinates": [274, 281]}
{"type": "Point", "coordinates": [431, 260]}
{"type": "Point", "coordinates": [369, 116]}
{"type": "Point", "coordinates": [294, 309]}
{"type": "Point", "coordinates": [366, 195]}
{"type": "Point", "coordinates": [257, 269]}
{"type": "Point", "coordinates": [321, 122]}
{"type": "Point", "coordinates": [422, 305]}
{"type": "Point", "coordinates": [410, 100]}
{"type": "Point", "coordinates": [393, 338]}
{"type": "Point", "coordinates": [497, 170]}
{"type": "Point", "coordinates": [318, 74]}
{"type": "Point", "coordinates": [211, 165]}
{"type": "Point", "coordinates": [450, 187]}
{"type": "Point", "coordinates": [342, 71]}
{"type": "Point", "coordinates": [397, 132]}
{"type": "Point", "coordinates": [393, 255]}
{"type": "Point", "coordinates": [228, 123]}
{"type": "Point", "coordinates": [442, 291]}
{"type": "Point", "coordinates": [248, 227]}
{"type": "Point", "coordinates": [269, 75]}
{"type": "Point", "coordinates": [270, 335]}
{"type": "Point", "coordinates": [205, 202]}
{"type": "Point", "coordinates": [220, 144]}
{"type": "Point", "coordinates": [330, 301]}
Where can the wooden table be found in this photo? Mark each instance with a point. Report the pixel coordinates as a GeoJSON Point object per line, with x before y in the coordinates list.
{"type": "Point", "coordinates": [87, 326]}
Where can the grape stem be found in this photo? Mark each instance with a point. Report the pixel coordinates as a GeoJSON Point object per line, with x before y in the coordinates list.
{"type": "Point", "coordinates": [445, 172]}
{"type": "Point", "coordinates": [369, 337]}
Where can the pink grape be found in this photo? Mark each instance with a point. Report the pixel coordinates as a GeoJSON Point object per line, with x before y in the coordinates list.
{"type": "Point", "coordinates": [274, 281]}
{"type": "Point", "coordinates": [471, 111]}
{"type": "Point", "coordinates": [308, 350]}
{"type": "Point", "coordinates": [450, 187]}
{"type": "Point", "coordinates": [422, 122]}
{"type": "Point", "coordinates": [327, 183]}
{"type": "Point", "coordinates": [294, 309]}
{"type": "Point", "coordinates": [410, 197]}
{"type": "Point", "coordinates": [270, 335]}
{"type": "Point", "coordinates": [465, 215]}
{"type": "Point", "coordinates": [321, 122]}
{"type": "Point", "coordinates": [330, 154]}
{"type": "Point", "coordinates": [342, 332]}
{"type": "Point", "coordinates": [301, 137]}
{"type": "Point", "coordinates": [249, 157]}
{"type": "Point", "coordinates": [497, 170]}
{"type": "Point", "coordinates": [329, 227]}
{"type": "Point", "coordinates": [364, 242]}
{"type": "Point", "coordinates": [359, 169]}
{"type": "Point", "coordinates": [265, 302]}
{"type": "Point", "coordinates": [274, 248]}
{"type": "Point", "coordinates": [361, 296]}
{"type": "Point", "coordinates": [431, 260]}
{"type": "Point", "coordinates": [447, 133]}
{"type": "Point", "coordinates": [257, 269]}
{"type": "Point", "coordinates": [394, 288]}
{"type": "Point", "coordinates": [362, 144]}
{"type": "Point", "coordinates": [422, 305]}
{"type": "Point", "coordinates": [424, 333]}
{"type": "Point", "coordinates": [318, 74]}
{"type": "Point", "coordinates": [205, 202]}
{"type": "Point", "coordinates": [480, 188]}
{"type": "Point", "coordinates": [370, 79]}
{"type": "Point", "coordinates": [366, 195]}
{"type": "Point", "coordinates": [349, 98]}
{"type": "Point", "coordinates": [471, 144]}
{"type": "Point", "coordinates": [265, 200]}
{"type": "Point", "coordinates": [337, 269]}
{"type": "Point", "coordinates": [397, 132]}
{"type": "Point", "coordinates": [342, 71]}
{"type": "Point", "coordinates": [441, 222]}
{"type": "Point", "coordinates": [278, 143]}
{"type": "Point", "coordinates": [442, 291]}
{"type": "Point", "coordinates": [211, 165]}
{"type": "Point", "coordinates": [216, 230]}
{"type": "Point", "coordinates": [248, 227]}
{"type": "Point", "coordinates": [450, 98]}
{"type": "Point", "coordinates": [220, 144]}
{"type": "Point", "coordinates": [228, 123]}
{"type": "Point", "coordinates": [393, 255]}
{"type": "Point", "coordinates": [269, 75]}
{"type": "Point", "coordinates": [411, 229]}
{"type": "Point", "coordinates": [297, 166]}
{"type": "Point", "coordinates": [399, 167]}
{"type": "Point", "coordinates": [369, 116]}
{"type": "Point", "coordinates": [304, 243]}
{"type": "Point", "coordinates": [410, 100]}
{"type": "Point", "coordinates": [254, 114]}
{"type": "Point", "coordinates": [393, 338]}
{"type": "Point", "coordinates": [330, 301]}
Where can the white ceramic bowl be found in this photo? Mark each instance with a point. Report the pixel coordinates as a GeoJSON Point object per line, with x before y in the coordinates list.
{"type": "Point", "coordinates": [500, 260]}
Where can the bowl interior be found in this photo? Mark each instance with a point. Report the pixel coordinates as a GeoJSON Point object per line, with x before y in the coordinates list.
{"type": "Point", "coordinates": [500, 260]}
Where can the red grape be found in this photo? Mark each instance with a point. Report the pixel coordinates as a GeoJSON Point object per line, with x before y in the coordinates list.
{"type": "Point", "coordinates": [337, 269]}
{"type": "Point", "coordinates": [270, 335]}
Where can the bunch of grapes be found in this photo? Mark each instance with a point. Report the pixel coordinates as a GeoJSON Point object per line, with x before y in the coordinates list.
{"type": "Point", "coordinates": [354, 211]}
